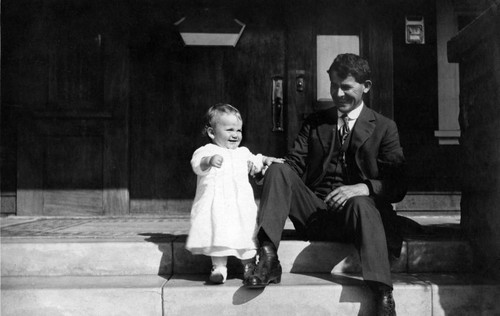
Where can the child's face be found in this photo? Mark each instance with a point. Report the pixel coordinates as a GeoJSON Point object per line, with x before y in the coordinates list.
{"type": "Point", "coordinates": [227, 131]}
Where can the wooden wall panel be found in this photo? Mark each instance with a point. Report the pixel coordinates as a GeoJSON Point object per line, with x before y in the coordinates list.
{"type": "Point", "coordinates": [301, 43]}
{"type": "Point", "coordinates": [73, 176]}
{"type": "Point", "coordinates": [477, 49]}
{"type": "Point", "coordinates": [431, 167]}
{"type": "Point", "coordinates": [68, 71]}
{"type": "Point", "coordinates": [380, 56]}
{"type": "Point", "coordinates": [68, 167]}
{"type": "Point", "coordinates": [173, 86]}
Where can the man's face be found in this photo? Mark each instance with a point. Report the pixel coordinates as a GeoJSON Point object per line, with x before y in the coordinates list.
{"type": "Point", "coordinates": [347, 94]}
{"type": "Point", "coordinates": [227, 131]}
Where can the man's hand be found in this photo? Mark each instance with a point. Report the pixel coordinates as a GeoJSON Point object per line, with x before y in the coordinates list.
{"type": "Point", "coordinates": [216, 161]}
{"type": "Point", "coordinates": [337, 198]}
{"type": "Point", "coordinates": [267, 161]}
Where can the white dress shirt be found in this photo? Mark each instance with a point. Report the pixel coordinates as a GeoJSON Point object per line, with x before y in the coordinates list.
{"type": "Point", "coordinates": [351, 117]}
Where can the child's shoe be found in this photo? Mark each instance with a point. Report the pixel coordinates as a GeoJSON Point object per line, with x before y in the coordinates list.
{"type": "Point", "coordinates": [218, 274]}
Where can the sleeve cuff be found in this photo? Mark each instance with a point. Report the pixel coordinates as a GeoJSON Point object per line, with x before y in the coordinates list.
{"type": "Point", "coordinates": [369, 185]}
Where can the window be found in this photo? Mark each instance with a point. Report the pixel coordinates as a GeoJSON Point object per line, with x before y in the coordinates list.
{"type": "Point", "coordinates": [327, 47]}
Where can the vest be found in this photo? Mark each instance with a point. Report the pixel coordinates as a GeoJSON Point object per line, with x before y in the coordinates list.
{"type": "Point", "coordinates": [336, 170]}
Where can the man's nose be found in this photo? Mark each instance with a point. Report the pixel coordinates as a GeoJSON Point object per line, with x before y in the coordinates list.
{"type": "Point", "coordinates": [340, 92]}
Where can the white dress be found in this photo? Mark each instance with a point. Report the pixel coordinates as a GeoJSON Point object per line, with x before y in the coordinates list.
{"type": "Point", "coordinates": [224, 213]}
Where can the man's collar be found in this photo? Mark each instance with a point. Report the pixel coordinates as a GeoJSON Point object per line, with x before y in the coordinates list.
{"type": "Point", "coordinates": [354, 114]}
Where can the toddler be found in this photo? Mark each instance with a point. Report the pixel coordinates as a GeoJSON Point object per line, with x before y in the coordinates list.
{"type": "Point", "coordinates": [224, 213]}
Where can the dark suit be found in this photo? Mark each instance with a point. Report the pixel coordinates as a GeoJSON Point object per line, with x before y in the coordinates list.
{"type": "Point", "coordinates": [374, 157]}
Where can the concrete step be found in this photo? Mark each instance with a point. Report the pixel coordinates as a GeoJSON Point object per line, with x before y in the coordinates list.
{"type": "Point", "coordinates": [138, 266]}
{"type": "Point", "coordinates": [85, 247]}
{"type": "Point", "coordinates": [298, 294]}
{"type": "Point", "coordinates": [326, 294]}
{"type": "Point", "coordinates": [429, 202]}
{"type": "Point", "coordinates": [82, 296]}
{"type": "Point", "coordinates": [324, 257]}
{"type": "Point", "coordinates": [167, 255]}
{"type": "Point", "coordinates": [35, 257]}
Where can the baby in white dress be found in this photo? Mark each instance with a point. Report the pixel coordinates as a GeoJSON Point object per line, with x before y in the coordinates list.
{"type": "Point", "coordinates": [224, 213]}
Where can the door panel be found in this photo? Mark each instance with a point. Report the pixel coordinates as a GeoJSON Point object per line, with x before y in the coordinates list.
{"type": "Point", "coordinates": [70, 167]}
{"type": "Point", "coordinates": [73, 175]}
{"type": "Point", "coordinates": [73, 129]}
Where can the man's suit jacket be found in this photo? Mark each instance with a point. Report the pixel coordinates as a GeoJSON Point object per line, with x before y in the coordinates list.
{"type": "Point", "coordinates": [374, 155]}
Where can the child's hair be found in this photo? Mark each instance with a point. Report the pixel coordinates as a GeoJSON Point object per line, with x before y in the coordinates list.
{"type": "Point", "coordinates": [351, 64]}
{"type": "Point", "coordinates": [216, 110]}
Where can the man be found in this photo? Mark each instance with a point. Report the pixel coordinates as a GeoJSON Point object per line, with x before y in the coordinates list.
{"type": "Point", "coordinates": [339, 180]}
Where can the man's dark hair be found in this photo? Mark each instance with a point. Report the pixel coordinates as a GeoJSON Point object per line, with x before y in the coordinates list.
{"type": "Point", "coordinates": [351, 64]}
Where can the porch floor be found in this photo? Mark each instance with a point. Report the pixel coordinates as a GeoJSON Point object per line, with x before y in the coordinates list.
{"type": "Point", "coordinates": [140, 226]}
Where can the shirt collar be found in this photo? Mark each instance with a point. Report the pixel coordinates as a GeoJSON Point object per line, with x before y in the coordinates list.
{"type": "Point", "coordinates": [354, 114]}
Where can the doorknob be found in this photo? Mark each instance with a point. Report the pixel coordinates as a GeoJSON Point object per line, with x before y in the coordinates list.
{"type": "Point", "coordinates": [299, 83]}
{"type": "Point", "coordinates": [277, 104]}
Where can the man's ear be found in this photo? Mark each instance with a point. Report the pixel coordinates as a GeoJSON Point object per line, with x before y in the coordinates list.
{"type": "Point", "coordinates": [210, 132]}
{"type": "Point", "coordinates": [368, 85]}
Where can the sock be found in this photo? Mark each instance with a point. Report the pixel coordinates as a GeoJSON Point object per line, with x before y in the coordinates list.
{"type": "Point", "coordinates": [378, 286]}
{"type": "Point", "coordinates": [264, 239]}
{"type": "Point", "coordinates": [219, 261]}
{"type": "Point", "coordinates": [245, 261]}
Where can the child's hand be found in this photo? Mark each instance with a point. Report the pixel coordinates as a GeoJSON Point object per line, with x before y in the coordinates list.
{"type": "Point", "coordinates": [216, 161]}
{"type": "Point", "coordinates": [252, 169]}
{"type": "Point", "coordinates": [267, 161]}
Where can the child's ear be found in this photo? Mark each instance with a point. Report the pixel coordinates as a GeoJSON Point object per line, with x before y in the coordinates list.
{"type": "Point", "coordinates": [210, 132]}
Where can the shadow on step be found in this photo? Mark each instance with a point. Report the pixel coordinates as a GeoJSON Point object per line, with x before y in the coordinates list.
{"type": "Point", "coordinates": [324, 256]}
{"type": "Point", "coordinates": [177, 260]}
{"type": "Point", "coordinates": [353, 290]}
{"type": "Point", "coordinates": [164, 243]}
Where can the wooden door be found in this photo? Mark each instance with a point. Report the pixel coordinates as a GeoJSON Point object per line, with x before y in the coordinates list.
{"type": "Point", "coordinates": [173, 86]}
{"type": "Point", "coordinates": [72, 132]}
{"type": "Point", "coordinates": [306, 21]}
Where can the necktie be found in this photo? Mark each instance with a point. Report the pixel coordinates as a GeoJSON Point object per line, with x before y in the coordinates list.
{"type": "Point", "coordinates": [344, 130]}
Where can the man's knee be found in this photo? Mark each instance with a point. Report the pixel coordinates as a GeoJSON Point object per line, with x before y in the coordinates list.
{"type": "Point", "coordinates": [278, 167]}
{"type": "Point", "coordinates": [278, 174]}
{"type": "Point", "coordinates": [361, 205]}
{"type": "Point", "coordinates": [360, 201]}
{"type": "Point", "coordinates": [279, 170]}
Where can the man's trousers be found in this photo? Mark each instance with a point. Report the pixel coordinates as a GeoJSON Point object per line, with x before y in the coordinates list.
{"type": "Point", "coordinates": [284, 194]}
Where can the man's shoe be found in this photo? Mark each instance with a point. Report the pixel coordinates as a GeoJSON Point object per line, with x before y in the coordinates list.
{"type": "Point", "coordinates": [385, 303]}
{"type": "Point", "coordinates": [248, 270]}
{"type": "Point", "coordinates": [267, 271]}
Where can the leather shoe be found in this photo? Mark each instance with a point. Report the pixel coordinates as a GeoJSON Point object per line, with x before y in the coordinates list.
{"type": "Point", "coordinates": [385, 303]}
{"type": "Point", "coordinates": [248, 270]}
{"type": "Point", "coordinates": [268, 269]}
